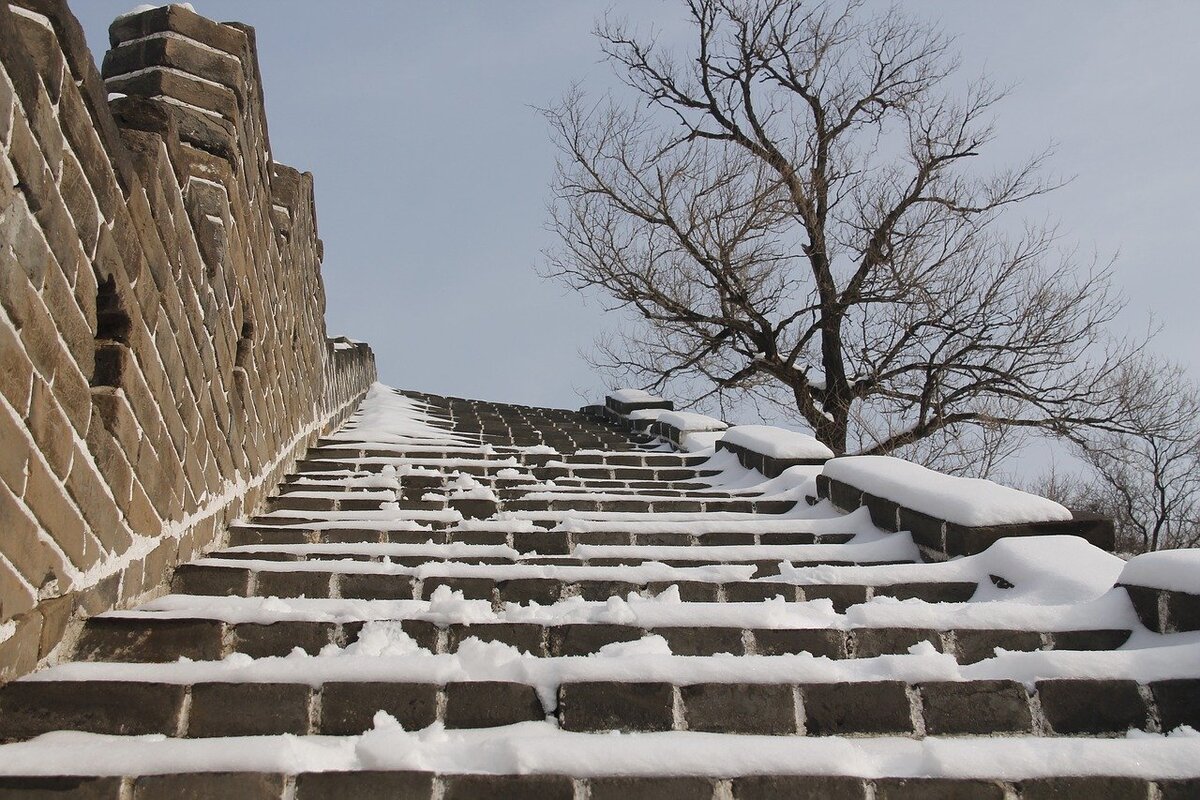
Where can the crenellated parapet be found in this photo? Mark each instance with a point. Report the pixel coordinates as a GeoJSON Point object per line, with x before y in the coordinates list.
{"type": "Point", "coordinates": [163, 343]}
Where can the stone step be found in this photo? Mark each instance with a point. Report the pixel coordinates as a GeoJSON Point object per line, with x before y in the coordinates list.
{"type": "Point", "coordinates": [163, 640]}
{"type": "Point", "coordinates": [1064, 707]}
{"type": "Point", "coordinates": [243, 582]}
{"type": "Point", "coordinates": [546, 542]}
{"type": "Point", "coordinates": [521, 502]}
{"type": "Point", "coordinates": [381, 785]}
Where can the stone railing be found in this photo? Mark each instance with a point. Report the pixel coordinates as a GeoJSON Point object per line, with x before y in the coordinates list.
{"type": "Point", "coordinates": [163, 353]}
{"type": "Point", "coordinates": [1165, 589]}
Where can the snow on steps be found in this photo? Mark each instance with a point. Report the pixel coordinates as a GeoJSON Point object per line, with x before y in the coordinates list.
{"type": "Point", "coordinates": [366, 637]}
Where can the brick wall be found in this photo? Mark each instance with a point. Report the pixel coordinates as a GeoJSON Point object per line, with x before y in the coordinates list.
{"type": "Point", "coordinates": [163, 353]}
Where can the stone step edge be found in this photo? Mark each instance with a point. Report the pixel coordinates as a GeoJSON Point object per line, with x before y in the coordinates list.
{"type": "Point", "coordinates": [211, 640]}
{"type": "Point", "coordinates": [209, 709]}
{"type": "Point", "coordinates": [556, 786]}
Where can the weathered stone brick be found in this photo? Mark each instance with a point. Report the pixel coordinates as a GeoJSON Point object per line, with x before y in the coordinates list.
{"type": "Point", "coordinates": [863, 707]}
{"type": "Point", "coordinates": [248, 709]}
{"type": "Point", "coordinates": [508, 787]}
{"type": "Point", "coordinates": [702, 640]}
{"type": "Point", "coordinates": [16, 370]}
{"type": "Point", "coordinates": [601, 706]}
{"type": "Point", "coordinates": [1178, 702]}
{"type": "Point", "coordinates": [739, 708]}
{"type": "Point", "coordinates": [1098, 787]}
{"type": "Point", "coordinates": [20, 544]}
{"type": "Point", "coordinates": [364, 784]}
{"type": "Point", "coordinates": [1075, 706]}
{"type": "Point", "coordinates": [209, 786]}
{"type": "Point", "coordinates": [798, 787]}
{"type": "Point", "coordinates": [59, 786]}
{"type": "Point", "coordinates": [127, 708]}
{"type": "Point", "coordinates": [280, 638]}
{"type": "Point", "coordinates": [970, 707]}
{"type": "Point", "coordinates": [938, 789]}
{"type": "Point", "coordinates": [871, 642]}
{"type": "Point", "coordinates": [585, 638]}
{"type": "Point", "coordinates": [292, 584]}
{"type": "Point", "coordinates": [125, 639]}
{"type": "Point", "coordinates": [651, 788]}
{"type": "Point", "coordinates": [486, 704]}
{"type": "Point", "coordinates": [526, 637]}
{"type": "Point", "coordinates": [50, 428]}
{"type": "Point", "coordinates": [348, 709]}
{"type": "Point", "coordinates": [820, 642]}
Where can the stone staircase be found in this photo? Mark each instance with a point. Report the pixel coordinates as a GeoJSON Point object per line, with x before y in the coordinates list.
{"type": "Point", "coordinates": [458, 599]}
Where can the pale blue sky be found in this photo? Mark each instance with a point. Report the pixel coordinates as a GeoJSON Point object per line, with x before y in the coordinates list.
{"type": "Point", "coordinates": [431, 165]}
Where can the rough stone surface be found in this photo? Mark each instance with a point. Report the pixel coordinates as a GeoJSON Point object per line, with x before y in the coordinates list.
{"type": "Point", "coordinates": [117, 282]}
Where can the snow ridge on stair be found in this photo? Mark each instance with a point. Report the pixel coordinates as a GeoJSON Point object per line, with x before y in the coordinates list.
{"type": "Point", "coordinates": [461, 599]}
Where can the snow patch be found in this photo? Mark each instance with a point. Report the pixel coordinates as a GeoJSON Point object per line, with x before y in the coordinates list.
{"type": "Point", "coordinates": [964, 501]}
{"type": "Point", "coordinates": [776, 442]}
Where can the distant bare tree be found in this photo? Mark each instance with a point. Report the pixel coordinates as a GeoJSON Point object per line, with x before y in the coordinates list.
{"type": "Point", "coordinates": [1147, 478]}
{"type": "Point", "coordinates": [791, 215]}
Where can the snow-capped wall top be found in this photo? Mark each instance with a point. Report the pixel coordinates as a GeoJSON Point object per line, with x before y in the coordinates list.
{"type": "Point", "coordinates": [633, 396]}
{"type": "Point", "coordinates": [965, 501]}
{"type": "Point", "coordinates": [689, 421]}
{"type": "Point", "coordinates": [776, 442]}
{"type": "Point", "coordinates": [1173, 570]}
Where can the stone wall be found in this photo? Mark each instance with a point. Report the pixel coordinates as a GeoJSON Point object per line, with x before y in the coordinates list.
{"type": "Point", "coordinates": [163, 353]}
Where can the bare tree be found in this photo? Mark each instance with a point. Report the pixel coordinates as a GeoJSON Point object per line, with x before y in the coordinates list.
{"type": "Point", "coordinates": [1147, 477]}
{"type": "Point", "coordinates": [794, 217]}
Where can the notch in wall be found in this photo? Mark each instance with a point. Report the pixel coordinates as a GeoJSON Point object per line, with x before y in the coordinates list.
{"type": "Point", "coordinates": [113, 326]}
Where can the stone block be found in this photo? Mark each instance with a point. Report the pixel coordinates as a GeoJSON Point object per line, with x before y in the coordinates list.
{"type": "Point", "coordinates": [976, 707]}
{"type": "Point", "coordinates": [488, 704]}
{"type": "Point", "coordinates": [209, 786]}
{"type": "Point", "coordinates": [871, 642]}
{"type": "Point", "coordinates": [508, 787]}
{"type": "Point", "coordinates": [605, 705]}
{"type": "Point", "coordinates": [1178, 702]}
{"type": "Point", "coordinates": [146, 640]}
{"type": "Point", "coordinates": [678, 787]}
{"type": "Point", "coordinates": [280, 638]}
{"type": "Point", "coordinates": [1185, 789]}
{"type": "Point", "coordinates": [213, 581]}
{"type": "Point", "coordinates": [1183, 611]}
{"type": "Point", "coordinates": [842, 595]}
{"type": "Point", "coordinates": [820, 642]}
{"type": "Point", "coordinates": [758, 591]}
{"type": "Point", "coordinates": [938, 789]}
{"type": "Point", "coordinates": [1086, 706]}
{"type": "Point", "coordinates": [248, 709]}
{"type": "Point", "coordinates": [525, 636]}
{"type": "Point", "coordinates": [364, 785]}
{"type": "Point", "coordinates": [833, 709]}
{"type": "Point", "coordinates": [976, 645]}
{"type": "Point", "coordinates": [59, 786]}
{"type": "Point", "coordinates": [581, 639]}
{"type": "Point", "coordinates": [1094, 787]}
{"type": "Point", "coordinates": [1090, 640]}
{"type": "Point", "coordinates": [762, 709]}
{"type": "Point", "coordinates": [368, 586]}
{"type": "Point", "coordinates": [702, 640]}
{"type": "Point", "coordinates": [543, 591]}
{"type": "Point", "coordinates": [349, 708]}
{"type": "Point", "coordinates": [799, 787]}
{"type": "Point", "coordinates": [289, 583]}
{"type": "Point", "coordinates": [472, 588]}
{"type": "Point", "coordinates": [126, 708]}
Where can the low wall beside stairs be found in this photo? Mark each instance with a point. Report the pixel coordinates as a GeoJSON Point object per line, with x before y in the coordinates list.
{"type": "Point", "coordinates": [163, 351]}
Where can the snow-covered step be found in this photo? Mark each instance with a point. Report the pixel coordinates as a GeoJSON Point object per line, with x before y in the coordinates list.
{"type": "Point", "coordinates": [508, 585]}
{"type": "Point", "coordinates": [221, 708]}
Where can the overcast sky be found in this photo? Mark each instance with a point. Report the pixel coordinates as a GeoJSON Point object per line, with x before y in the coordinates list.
{"type": "Point", "coordinates": [431, 164]}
